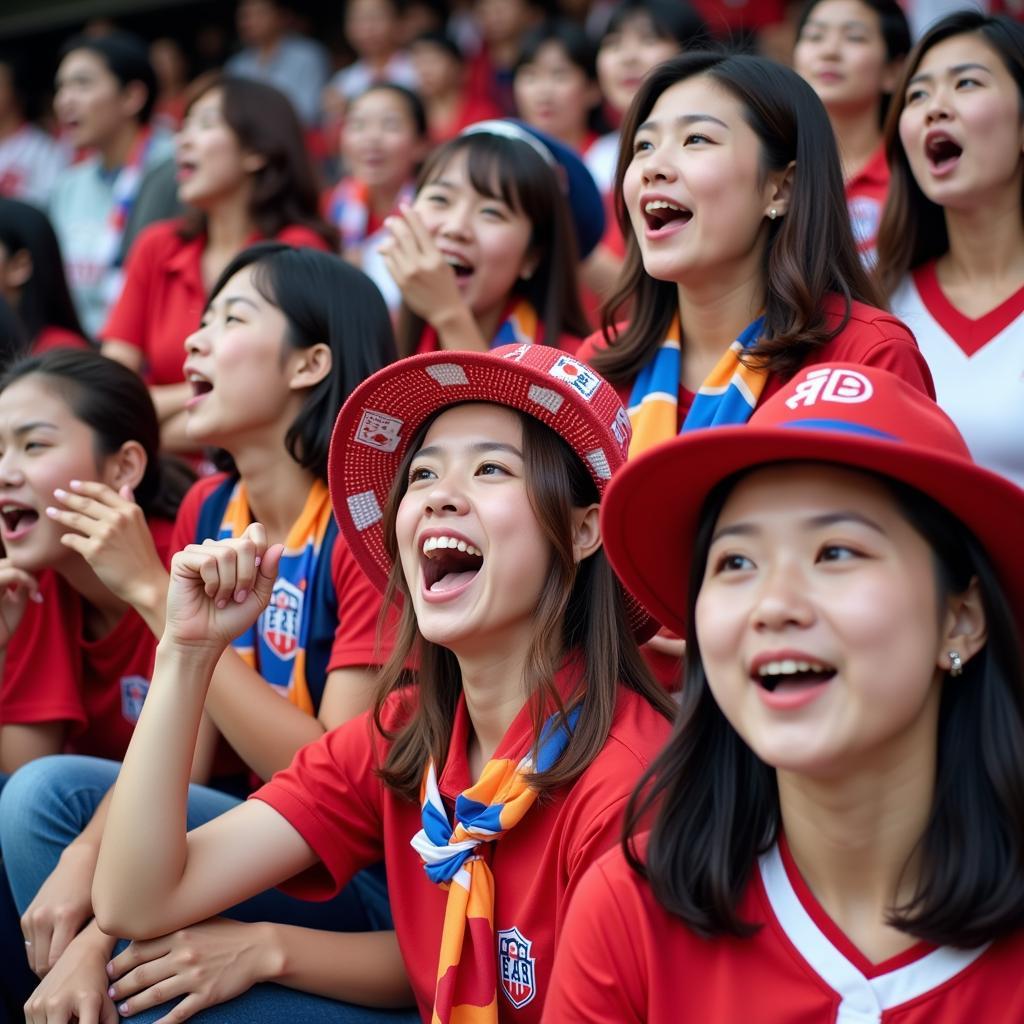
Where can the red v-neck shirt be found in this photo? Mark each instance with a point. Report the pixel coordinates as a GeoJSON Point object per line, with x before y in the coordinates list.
{"type": "Point", "coordinates": [623, 959]}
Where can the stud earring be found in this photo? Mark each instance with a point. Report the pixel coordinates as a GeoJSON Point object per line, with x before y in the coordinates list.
{"type": "Point", "coordinates": [773, 213]}
{"type": "Point", "coordinates": [956, 665]}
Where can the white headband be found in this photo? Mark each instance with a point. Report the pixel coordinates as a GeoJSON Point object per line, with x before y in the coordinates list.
{"type": "Point", "coordinates": [511, 130]}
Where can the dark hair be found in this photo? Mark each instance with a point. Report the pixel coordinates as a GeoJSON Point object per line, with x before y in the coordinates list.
{"type": "Point", "coordinates": [810, 252]}
{"type": "Point", "coordinates": [323, 300]}
{"type": "Point", "coordinates": [44, 300]}
{"type": "Point", "coordinates": [19, 73]}
{"type": "Point", "coordinates": [581, 608]}
{"type": "Point", "coordinates": [675, 20]}
{"type": "Point", "coordinates": [13, 343]}
{"type": "Point", "coordinates": [284, 190]}
{"type": "Point", "coordinates": [126, 57]}
{"type": "Point", "coordinates": [892, 26]}
{"type": "Point", "coordinates": [114, 403]}
{"type": "Point", "coordinates": [577, 47]}
{"type": "Point", "coordinates": [417, 112]}
{"type": "Point", "coordinates": [510, 170]}
{"type": "Point", "coordinates": [442, 41]}
{"type": "Point", "coordinates": [913, 228]}
{"type": "Point", "coordinates": [716, 803]}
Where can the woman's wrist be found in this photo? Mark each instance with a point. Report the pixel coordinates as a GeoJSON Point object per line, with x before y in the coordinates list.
{"type": "Point", "coordinates": [187, 661]}
{"type": "Point", "coordinates": [272, 955]}
{"type": "Point", "coordinates": [457, 329]}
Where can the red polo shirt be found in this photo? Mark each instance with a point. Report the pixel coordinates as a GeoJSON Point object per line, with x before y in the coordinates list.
{"type": "Point", "coordinates": [163, 295]}
{"type": "Point", "coordinates": [333, 798]}
{"type": "Point", "coordinates": [624, 959]}
{"type": "Point", "coordinates": [55, 673]}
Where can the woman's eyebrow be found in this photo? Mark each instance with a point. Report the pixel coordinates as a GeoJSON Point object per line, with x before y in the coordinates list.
{"type": "Point", "coordinates": [684, 120]}
{"type": "Point", "coordinates": [956, 69]}
{"type": "Point", "coordinates": [478, 448]}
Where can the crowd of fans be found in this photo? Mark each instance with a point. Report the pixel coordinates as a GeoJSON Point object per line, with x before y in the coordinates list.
{"type": "Point", "coordinates": [563, 463]}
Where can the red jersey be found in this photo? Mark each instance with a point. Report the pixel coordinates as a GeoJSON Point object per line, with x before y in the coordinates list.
{"type": "Point", "coordinates": [333, 798]}
{"type": "Point", "coordinates": [865, 199]}
{"type": "Point", "coordinates": [871, 337]}
{"type": "Point", "coordinates": [163, 296]}
{"type": "Point", "coordinates": [624, 958]}
{"type": "Point", "coordinates": [55, 673]}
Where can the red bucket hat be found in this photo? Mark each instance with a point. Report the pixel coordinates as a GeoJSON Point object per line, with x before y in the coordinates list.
{"type": "Point", "coordinates": [383, 415]}
{"type": "Point", "coordinates": [843, 414]}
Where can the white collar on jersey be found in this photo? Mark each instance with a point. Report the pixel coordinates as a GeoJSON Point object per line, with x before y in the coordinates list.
{"type": "Point", "coordinates": [862, 999]}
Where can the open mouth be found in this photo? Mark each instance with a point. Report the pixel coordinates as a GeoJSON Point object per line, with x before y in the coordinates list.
{"type": "Point", "coordinates": [942, 152]}
{"type": "Point", "coordinates": [449, 563]}
{"type": "Point", "coordinates": [17, 519]}
{"type": "Point", "coordinates": [461, 267]}
{"type": "Point", "coordinates": [660, 213]}
{"type": "Point", "coordinates": [790, 674]}
{"type": "Point", "coordinates": [200, 385]}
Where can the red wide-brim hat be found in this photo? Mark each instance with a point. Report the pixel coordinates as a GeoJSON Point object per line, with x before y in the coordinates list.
{"type": "Point", "coordinates": [844, 415]}
{"type": "Point", "coordinates": [383, 416]}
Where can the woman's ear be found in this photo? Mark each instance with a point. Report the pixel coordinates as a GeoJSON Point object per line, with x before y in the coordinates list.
{"type": "Point", "coordinates": [253, 162]}
{"type": "Point", "coordinates": [586, 532]}
{"type": "Point", "coordinates": [309, 366]}
{"type": "Point", "coordinates": [780, 191]}
{"type": "Point", "coordinates": [965, 629]}
{"type": "Point", "coordinates": [126, 467]}
{"type": "Point", "coordinates": [891, 75]}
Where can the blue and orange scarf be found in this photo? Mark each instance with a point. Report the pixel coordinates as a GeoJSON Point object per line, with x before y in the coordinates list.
{"type": "Point", "coordinates": [275, 645]}
{"type": "Point", "coordinates": [728, 396]}
{"type": "Point", "coordinates": [467, 977]}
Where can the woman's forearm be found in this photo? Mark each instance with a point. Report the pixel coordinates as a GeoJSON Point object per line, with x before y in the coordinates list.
{"type": "Point", "coordinates": [365, 968]}
{"type": "Point", "coordinates": [144, 849]}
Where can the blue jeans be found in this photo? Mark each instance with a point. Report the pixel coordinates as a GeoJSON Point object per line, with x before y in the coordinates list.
{"type": "Point", "coordinates": [45, 806]}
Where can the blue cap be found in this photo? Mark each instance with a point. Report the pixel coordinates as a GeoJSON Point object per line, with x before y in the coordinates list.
{"type": "Point", "coordinates": [586, 206]}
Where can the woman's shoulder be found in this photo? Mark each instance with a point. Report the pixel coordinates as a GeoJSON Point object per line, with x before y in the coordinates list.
{"type": "Point", "coordinates": [864, 323]}
{"type": "Point", "coordinates": [160, 239]}
{"type": "Point", "coordinates": [598, 341]}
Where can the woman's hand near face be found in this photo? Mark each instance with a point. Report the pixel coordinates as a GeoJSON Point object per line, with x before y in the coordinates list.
{"type": "Point", "coordinates": [426, 281]}
{"type": "Point", "coordinates": [110, 532]}
{"type": "Point", "coordinates": [217, 589]}
{"type": "Point", "coordinates": [17, 588]}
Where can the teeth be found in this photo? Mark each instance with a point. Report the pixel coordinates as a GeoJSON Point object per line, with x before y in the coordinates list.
{"type": "Point", "coordinates": [789, 667]}
{"type": "Point", "coordinates": [443, 543]}
{"type": "Point", "coordinates": [453, 262]}
{"type": "Point", "coordinates": [662, 204]}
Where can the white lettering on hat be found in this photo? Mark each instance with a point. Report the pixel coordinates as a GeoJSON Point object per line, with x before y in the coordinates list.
{"type": "Point", "coordinates": [379, 430]}
{"type": "Point", "coordinates": [550, 400]}
{"type": "Point", "coordinates": [622, 429]}
{"type": "Point", "coordinates": [364, 509]}
{"type": "Point", "coordinates": [579, 377]}
{"type": "Point", "coordinates": [516, 355]}
{"type": "Point", "coordinates": [448, 373]}
{"type": "Point", "coordinates": [827, 385]}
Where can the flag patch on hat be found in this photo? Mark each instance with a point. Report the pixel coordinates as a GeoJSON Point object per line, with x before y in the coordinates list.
{"type": "Point", "coordinates": [550, 400]}
{"type": "Point", "coordinates": [378, 430]}
{"type": "Point", "coordinates": [364, 509]}
{"type": "Point", "coordinates": [448, 373]}
{"type": "Point", "coordinates": [579, 377]}
{"type": "Point", "coordinates": [622, 430]}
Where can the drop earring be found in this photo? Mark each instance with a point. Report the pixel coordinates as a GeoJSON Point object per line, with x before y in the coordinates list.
{"type": "Point", "coordinates": [956, 665]}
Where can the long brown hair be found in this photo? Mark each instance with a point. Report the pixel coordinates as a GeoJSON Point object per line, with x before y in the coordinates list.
{"type": "Point", "coordinates": [913, 228]}
{"type": "Point", "coordinates": [581, 608]}
{"type": "Point", "coordinates": [810, 252]}
{"type": "Point", "coordinates": [285, 190]}
{"type": "Point", "coordinates": [511, 171]}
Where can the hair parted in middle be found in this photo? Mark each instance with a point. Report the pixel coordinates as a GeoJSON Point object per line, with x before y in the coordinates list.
{"type": "Point", "coordinates": [810, 252]}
